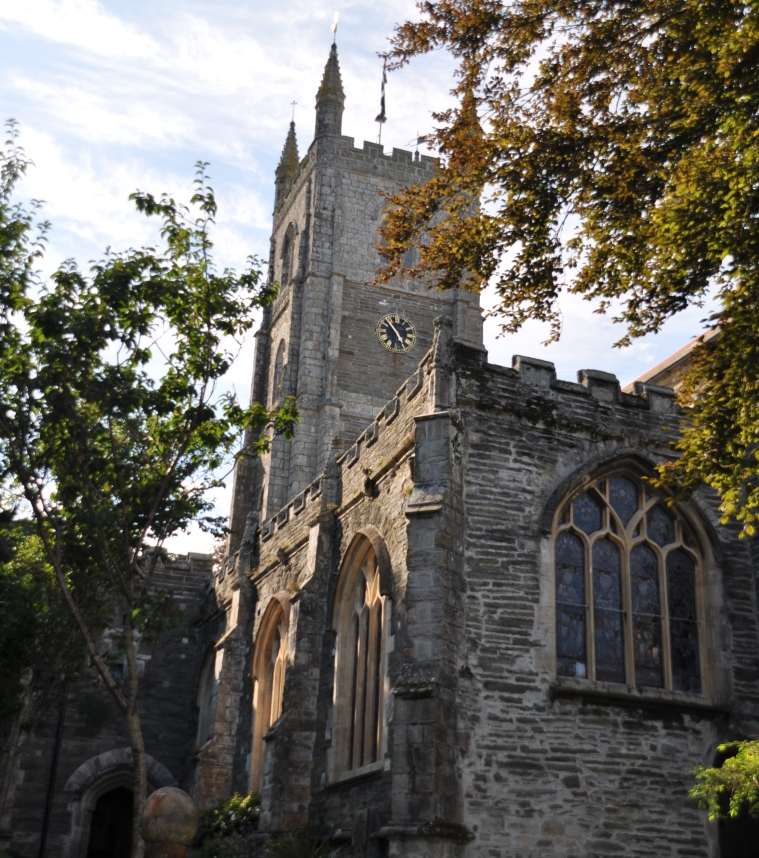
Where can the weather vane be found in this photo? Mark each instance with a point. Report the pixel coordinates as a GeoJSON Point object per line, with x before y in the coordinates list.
{"type": "Point", "coordinates": [334, 28]}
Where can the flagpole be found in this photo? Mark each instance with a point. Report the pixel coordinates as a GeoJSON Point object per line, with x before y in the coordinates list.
{"type": "Point", "coordinates": [381, 118]}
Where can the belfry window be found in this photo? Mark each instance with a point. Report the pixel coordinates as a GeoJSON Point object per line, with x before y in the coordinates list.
{"type": "Point", "coordinates": [626, 571]}
{"type": "Point", "coordinates": [361, 622]}
{"type": "Point", "coordinates": [288, 253]}
{"type": "Point", "coordinates": [269, 666]}
{"type": "Point", "coordinates": [278, 379]}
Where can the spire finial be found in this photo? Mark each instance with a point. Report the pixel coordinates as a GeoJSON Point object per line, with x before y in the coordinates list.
{"type": "Point", "coordinates": [292, 104]}
{"type": "Point", "coordinates": [334, 28]}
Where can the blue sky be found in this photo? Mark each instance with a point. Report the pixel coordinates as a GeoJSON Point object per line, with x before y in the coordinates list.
{"type": "Point", "coordinates": [115, 96]}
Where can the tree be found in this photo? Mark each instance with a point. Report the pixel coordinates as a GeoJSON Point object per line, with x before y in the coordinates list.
{"type": "Point", "coordinates": [108, 459]}
{"type": "Point", "coordinates": [615, 149]}
{"type": "Point", "coordinates": [39, 655]}
{"type": "Point", "coordinates": [736, 780]}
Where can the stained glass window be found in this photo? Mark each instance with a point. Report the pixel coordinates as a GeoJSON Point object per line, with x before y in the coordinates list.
{"type": "Point", "coordinates": [570, 605]}
{"type": "Point", "coordinates": [607, 608]}
{"type": "Point", "coordinates": [644, 583]}
{"type": "Point", "coordinates": [683, 625]}
{"type": "Point", "coordinates": [623, 496]}
{"type": "Point", "coordinates": [660, 526]}
{"type": "Point", "coordinates": [587, 513]}
{"type": "Point", "coordinates": [641, 625]}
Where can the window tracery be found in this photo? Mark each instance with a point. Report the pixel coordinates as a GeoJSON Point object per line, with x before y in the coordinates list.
{"type": "Point", "coordinates": [269, 668]}
{"type": "Point", "coordinates": [361, 621]}
{"type": "Point", "coordinates": [625, 585]}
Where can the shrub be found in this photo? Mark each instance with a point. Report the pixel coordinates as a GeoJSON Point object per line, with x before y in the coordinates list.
{"type": "Point", "coordinates": [232, 820]}
{"type": "Point", "coordinates": [300, 844]}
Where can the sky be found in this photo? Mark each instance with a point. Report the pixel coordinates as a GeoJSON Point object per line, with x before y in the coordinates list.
{"type": "Point", "coordinates": [115, 96]}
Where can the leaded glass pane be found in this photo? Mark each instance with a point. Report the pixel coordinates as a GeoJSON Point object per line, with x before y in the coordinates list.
{"type": "Point", "coordinates": [587, 513]}
{"type": "Point", "coordinates": [607, 607]}
{"type": "Point", "coordinates": [570, 605]}
{"type": "Point", "coordinates": [644, 578]}
{"type": "Point", "coordinates": [660, 526]}
{"type": "Point", "coordinates": [683, 624]}
{"type": "Point", "coordinates": [623, 496]}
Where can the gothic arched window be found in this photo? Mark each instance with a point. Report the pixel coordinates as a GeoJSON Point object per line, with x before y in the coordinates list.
{"type": "Point", "coordinates": [208, 694]}
{"type": "Point", "coordinates": [269, 666]}
{"type": "Point", "coordinates": [361, 622]}
{"type": "Point", "coordinates": [626, 570]}
{"type": "Point", "coordinates": [288, 255]}
{"type": "Point", "coordinates": [278, 378]}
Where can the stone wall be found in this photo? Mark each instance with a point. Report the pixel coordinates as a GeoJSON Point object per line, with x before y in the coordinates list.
{"type": "Point", "coordinates": [96, 758]}
{"type": "Point", "coordinates": [488, 752]}
{"type": "Point", "coordinates": [555, 766]}
{"type": "Point", "coordinates": [327, 312]}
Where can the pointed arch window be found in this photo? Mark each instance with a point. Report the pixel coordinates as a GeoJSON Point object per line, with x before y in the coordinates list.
{"type": "Point", "coordinates": [278, 378]}
{"type": "Point", "coordinates": [288, 255]}
{"type": "Point", "coordinates": [626, 571]}
{"type": "Point", "coordinates": [361, 621]}
{"type": "Point", "coordinates": [208, 695]}
{"type": "Point", "coordinates": [269, 667]}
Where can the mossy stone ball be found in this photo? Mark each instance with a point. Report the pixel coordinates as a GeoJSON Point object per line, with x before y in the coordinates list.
{"type": "Point", "coordinates": [169, 817]}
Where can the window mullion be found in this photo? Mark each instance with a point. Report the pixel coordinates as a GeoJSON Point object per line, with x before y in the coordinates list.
{"type": "Point", "coordinates": [590, 637]}
{"type": "Point", "coordinates": [369, 685]}
{"type": "Point", "coordinates": [627, 621]}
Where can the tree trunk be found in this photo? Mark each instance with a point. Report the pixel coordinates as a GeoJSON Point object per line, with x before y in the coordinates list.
{"type": "Point", "coordinates": [136, 742]}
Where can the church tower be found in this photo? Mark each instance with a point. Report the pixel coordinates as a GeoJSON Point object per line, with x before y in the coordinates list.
{"type": "Point", "coordinates": [333, 339]}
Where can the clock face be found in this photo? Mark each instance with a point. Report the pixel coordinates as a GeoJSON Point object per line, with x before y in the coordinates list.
{"type": "Point", "coordinates": [396, 333]}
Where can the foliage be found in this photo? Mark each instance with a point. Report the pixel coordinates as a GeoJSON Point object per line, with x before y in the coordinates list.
{"type": "Point", "coordinates": [300, 844]}
{"type": "Point", "coordinates": [737, 777]}
{"type": "Point", "coordinates": [236, 815]}
{"type": "Point", "coordinates": [615, 148]}
{"type": "Point", "coordinates": [40, 654]}
{"type": "Point", "coordinates": [224, 832]}
{"type": "Point", "coordinates": [39, 651]}
{"type": "Point", "coordinates": [111, 428]}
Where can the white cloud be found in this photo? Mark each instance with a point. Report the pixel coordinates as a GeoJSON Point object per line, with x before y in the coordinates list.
{"type": "Point", "coordinates": [112, 96]}
{"type": "Point", "coordinates": [109, 117]}
{"type": "Point", "coordinates": [83, 24]}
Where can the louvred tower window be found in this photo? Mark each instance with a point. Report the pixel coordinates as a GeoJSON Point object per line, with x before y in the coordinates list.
{"type": "Point", "coordinates": [626, 571]}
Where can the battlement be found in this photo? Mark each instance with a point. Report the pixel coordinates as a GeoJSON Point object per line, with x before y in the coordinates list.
{"type": "Point", "coordinates": [355, 472]}
{"type": "Point", "coordinates": [601, 386]}
{"type": "Point", "coordinates": [390, 436]}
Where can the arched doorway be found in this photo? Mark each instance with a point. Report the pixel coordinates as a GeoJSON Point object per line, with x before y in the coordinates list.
{"type": "Point", "coordinates": [98, 777]}
{"type": "Point", "coordinates": [111, 827]}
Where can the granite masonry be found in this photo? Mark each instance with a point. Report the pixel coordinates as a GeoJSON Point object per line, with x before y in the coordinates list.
{"type": "Point", "coordinates": [455, 620]}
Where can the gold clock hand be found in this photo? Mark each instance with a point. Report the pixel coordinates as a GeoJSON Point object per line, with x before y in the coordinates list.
{"type": "Point", "coordinates": [395, 330]}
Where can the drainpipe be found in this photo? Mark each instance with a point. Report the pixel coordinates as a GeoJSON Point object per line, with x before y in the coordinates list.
{"type": "Point", "coordinates": [53, 775]}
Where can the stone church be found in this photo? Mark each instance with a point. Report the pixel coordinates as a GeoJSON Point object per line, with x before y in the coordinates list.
{"type": "Point", "coordinates": [455, 621]}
